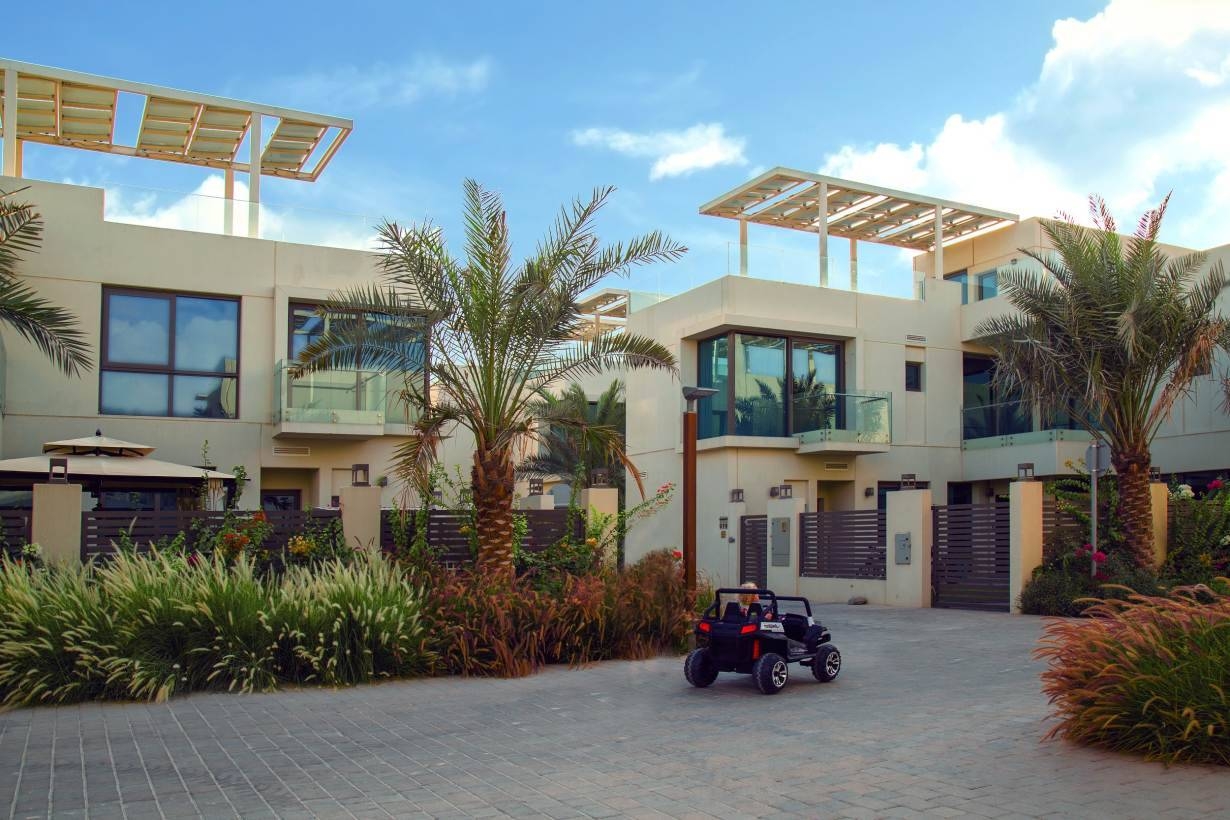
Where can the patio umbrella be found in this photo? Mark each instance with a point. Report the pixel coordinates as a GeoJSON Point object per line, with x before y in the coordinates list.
{"type": "Point", "coordinates": [97, 445]}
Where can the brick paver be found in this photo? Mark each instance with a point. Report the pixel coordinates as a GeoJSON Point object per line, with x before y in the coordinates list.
{"type": "Point", "coordinates": [936, 714]}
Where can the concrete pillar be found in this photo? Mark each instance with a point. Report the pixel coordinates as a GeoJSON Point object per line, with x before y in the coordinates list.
{"type": "Point", "coordinates": [1025, 537]}
{"type": "Point", "coordinates": [908, 584]}
{"type": "Point", "coordinates": [1159, 495]}
{"type": "Point", "coordinates": [603, 501]}
{"type": "Point", "coordinates": [727, 559]}
{"type": "Point", "coordinates": [784, 512]}
{"type": "Point", "coordinates": [9, 165]}
{"type": "Point", "coordinates": [361, 517]}
{"type": "Point", "coordinates": [56, 522]}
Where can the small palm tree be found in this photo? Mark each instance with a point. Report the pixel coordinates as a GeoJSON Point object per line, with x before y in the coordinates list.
{"type": "Point", "coordinates": [500, 335]}
{"type": "Point", "coordinates": [51, 329]}
{"type": "Point", "coordinates": [1117, 328]}
{"type": "Point", "coordinates": [593, 440]}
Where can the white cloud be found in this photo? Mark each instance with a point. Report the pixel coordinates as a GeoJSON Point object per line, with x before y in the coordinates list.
{"type": "Point", "coordinates": [1127, 104]}
{"type": "Point", "coordinates": [674, 153]}
{"type": "Point", "coordinates": [350, 87]}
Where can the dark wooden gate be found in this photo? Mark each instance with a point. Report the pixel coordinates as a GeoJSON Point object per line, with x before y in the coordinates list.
{"type": "Point", "coordinates": [842, 544]}
{"type": "Point", "coordinates": [970, 556]}
{"type": "Point", "coordinates": [754, 549]}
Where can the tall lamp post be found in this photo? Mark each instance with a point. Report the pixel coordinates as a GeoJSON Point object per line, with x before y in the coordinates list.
{"type": "Point", "coordinates": [691, 395]}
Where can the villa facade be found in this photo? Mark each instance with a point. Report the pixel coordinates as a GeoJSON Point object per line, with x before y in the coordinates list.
{"type": "Point", "coordinates": [838, 397]}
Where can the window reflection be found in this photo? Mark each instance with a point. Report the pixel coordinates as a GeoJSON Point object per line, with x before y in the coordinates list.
{"type": "Point", "coordinates": [760, 385]}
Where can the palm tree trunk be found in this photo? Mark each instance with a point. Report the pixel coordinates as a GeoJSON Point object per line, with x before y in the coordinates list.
{"type": "Point", "coordinates": [1135, 504]}
{"type": "Point", "coordinates": [492, 481]}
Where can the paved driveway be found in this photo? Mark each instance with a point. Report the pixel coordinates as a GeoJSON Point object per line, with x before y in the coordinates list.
{"type": "Point", "coordinates": [936, 713]}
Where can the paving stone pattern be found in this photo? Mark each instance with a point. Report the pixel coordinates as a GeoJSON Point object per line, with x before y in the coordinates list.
{"type": "Point", "coordinates": [937, 714]}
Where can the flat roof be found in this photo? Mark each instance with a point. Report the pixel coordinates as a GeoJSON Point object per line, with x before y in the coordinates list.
{"type": "Point", "coordinates": [68, 108]}
{"type": "Point", "coordinates": [788, 198]}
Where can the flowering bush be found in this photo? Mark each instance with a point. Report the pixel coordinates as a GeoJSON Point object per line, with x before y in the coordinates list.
{"type": "Point", "coordinates": [1145, 675]}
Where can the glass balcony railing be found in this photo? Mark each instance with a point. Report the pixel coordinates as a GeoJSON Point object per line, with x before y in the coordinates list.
{"type": "Point", "coordinates": [847, 418]}
{"type": "Point", "coordinates": [1007, 418]}
{"type": "Point", "coordinates": [343, 397]}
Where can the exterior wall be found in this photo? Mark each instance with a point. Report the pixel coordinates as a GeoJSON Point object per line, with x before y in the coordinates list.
{"type": "Point", "coordinates": [82, 253]}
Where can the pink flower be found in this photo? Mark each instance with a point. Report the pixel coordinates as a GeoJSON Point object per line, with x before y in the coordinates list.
{"type": "Point", "coordinates": [1099, 557]}
{"type": "Point", "coordinates": [1216, 484]}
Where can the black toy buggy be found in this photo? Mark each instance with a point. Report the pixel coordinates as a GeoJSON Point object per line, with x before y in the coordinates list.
{"type": "Point", "coordinates": [760, 638]}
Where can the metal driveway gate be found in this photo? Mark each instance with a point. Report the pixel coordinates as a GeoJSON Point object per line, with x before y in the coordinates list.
{"type": "Point", "coordinates": [970, 556]}
{"type": "Point", "coordinates": [753, 549]}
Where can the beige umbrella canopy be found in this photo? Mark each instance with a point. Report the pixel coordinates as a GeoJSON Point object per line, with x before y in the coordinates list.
{"type": "Point", "coordinates": [97, 445]}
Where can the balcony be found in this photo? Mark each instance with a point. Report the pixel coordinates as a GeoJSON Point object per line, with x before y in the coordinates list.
{"type": "Point", "coordinates": [845, 423]}
{"type": "Point", "coordinates": [1049, 443]}
{"type": "Point", "coordinates": [334, 404]}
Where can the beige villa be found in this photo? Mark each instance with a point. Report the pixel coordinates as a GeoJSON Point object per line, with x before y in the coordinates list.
{"type": "Point", "coordinates": [833, 398]}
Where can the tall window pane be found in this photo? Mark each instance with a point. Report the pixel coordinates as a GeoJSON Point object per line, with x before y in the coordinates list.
{"type": "Point", "coordinates": [760, 385]}
{"type": "Point", "coordinates": [962, 278]}
{"type": "Point", "coordinates": [988, 284]}
{"type": "Point", "coordinates": [134, 394]}
{"type": "Point", "coordinates": [713, 370]}
{"type": "Point", "coordinates": [813, 373]}
{"type": "Point", "coordinates": [206, 334]}
{"type": "Point", "coordinates": [138, 329]}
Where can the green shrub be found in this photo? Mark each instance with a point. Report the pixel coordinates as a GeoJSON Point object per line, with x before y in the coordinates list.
{"type": "Point", "coordinates": [1056, 592]}
{"type": "Point", "coordinates": [1198, 547]}
{"type": "Point", "coordinates": [1145, 674]}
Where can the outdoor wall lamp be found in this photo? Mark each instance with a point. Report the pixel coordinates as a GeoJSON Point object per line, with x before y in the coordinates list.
{"type": "Point", "coordinates": [868, 492]}
{"type": "Point", "coordinates": [536, 486]}
{"type": "Point", "coordinates": [1155, 474]}
{"type": "Point", "coordinates": [359, 475]}
{"type": "Point", "coordinates": [600, 477]}
{"type": "Point", "coordinates": [58, 470]}
{"type": "Point", "coordinates": [1025, 471]}
{"type": "Point", "coordinates": [736, 495]}
{"type": "Point", "coordinates": [781, 491]}
{"type": "Point", "coordinates": [909, 481]}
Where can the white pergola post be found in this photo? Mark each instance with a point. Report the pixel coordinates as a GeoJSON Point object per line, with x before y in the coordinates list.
{"type": "Point", "coordinates": [228, 203]}
{"type": "Point", "coordinates": [11, 166]}
{"type": "Point", "coordinates": [853, 264]}
{"type": "Point", "coordinates": [743, 247]}
{"type": "Point", "coordinates": [938, 272]}
{"type": "Point", "coordinates": [822, 225]}
{"type": "Point", "coordinates": [254, 177]}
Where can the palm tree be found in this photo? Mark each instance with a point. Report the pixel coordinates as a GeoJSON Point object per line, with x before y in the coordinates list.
{"type": "Point", "coordinates": [572, 452]}
{"type": "Point", "coordinates": [51, 329]}
{"type": "Point", "coordinates": [1117, 328]}
{"type": "Point", "coordinates": [500, 335]}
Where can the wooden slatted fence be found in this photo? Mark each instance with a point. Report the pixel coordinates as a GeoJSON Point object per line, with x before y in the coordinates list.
{"type": "Point", "coordinates": [103, 530]}
{"type": "Point", "coordinates": [970, 556]}
{"type": "Point", "coordinates": [842, 544]}
{"type": "Point", "coordinates": [753, 549]}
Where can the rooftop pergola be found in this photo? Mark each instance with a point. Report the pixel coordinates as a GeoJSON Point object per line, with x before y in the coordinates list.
{"type": "Point", "coordinates": [55, 106]}
{"type": "Point", "coordinates": [607, 309]}
{"type": "Point", "coordinates": [828, 206]}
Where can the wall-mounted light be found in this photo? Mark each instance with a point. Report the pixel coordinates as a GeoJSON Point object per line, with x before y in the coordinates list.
{"type": "Point", "coordinates": [535, 486]}
{"type": "Point", "coordinates": [989, 492]}
{"type": "Point", "coordinates": [360, 475]}
{"type": "Point", "coordinates": [57, 472]}
{"type": "Point", "coordinates": [736, 495]}
{"type": "Point", "coordinates": [909, 481]}
{"type": "Point", "coordinates": [600, 477]}
{"type": "Point", "coordinates": [775, 491]}
{"type": "Point", "coordinates": [868, 492]}
{"type": "Point", "coordinates": [785, 491]}
{"type": "Point", "coordinates": [1025, 471]}
{"type": "Point", "coordinates": [1155, 474]}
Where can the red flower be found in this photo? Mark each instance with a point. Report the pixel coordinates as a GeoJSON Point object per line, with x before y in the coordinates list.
{"type": "Point", "coordinates": [678, 554]}
{"type": "Point", "coordinates": [1099, 557]}
{"type": "Point", "coordinates": [1216, 484]}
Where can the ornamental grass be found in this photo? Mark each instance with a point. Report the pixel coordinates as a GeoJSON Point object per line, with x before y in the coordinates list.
{"type": "Point", "coordinates": [1146, 675]}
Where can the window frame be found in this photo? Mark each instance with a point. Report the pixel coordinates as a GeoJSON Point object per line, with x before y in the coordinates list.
{"type": "Point", "coordinates": [790, 338]}
{"type": "Point", "coordinates": [919, 367]}
{"type": "Point", "coordinates": [980, 277]}
{"type": "Point", "coordinates": [169, 370]}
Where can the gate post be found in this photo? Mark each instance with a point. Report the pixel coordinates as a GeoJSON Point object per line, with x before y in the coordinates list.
{"type": "Point", "coordinates": [783, 572]}
{"type": "Point", "coordinates": [1159, 495]}
{"type": "Point", "coordinates": [55, 523]}
{"type": "Point", "coordinates": [603, 501]}
{"type": "Point", "coordinates": [1024, 537]}
{"type": "Point", "coordinates": [361, 517]}
{"type": "Point", "coordinates": [908, 583]}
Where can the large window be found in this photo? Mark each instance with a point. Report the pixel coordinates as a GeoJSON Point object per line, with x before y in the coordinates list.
{"type": "Point", "coordinates": [988, 284]}
{"type": "Point", "coordinates": [962, 278]}
{"type": "Point", "coordinates": [768, 385]}
{"type": "Point", "coordinates": [166, 354]}
{"type": "Point", "coordinates": [987, 411]}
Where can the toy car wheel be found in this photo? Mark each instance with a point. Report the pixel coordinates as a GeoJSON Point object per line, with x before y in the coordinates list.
{"type": "Point", "coordinates": [827, 664]}
{"type": "Point", "coordinates": [698, 668]}
{"type": "Point", "coordinates": [770, 673]}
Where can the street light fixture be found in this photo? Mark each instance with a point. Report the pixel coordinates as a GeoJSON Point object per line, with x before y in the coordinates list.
{"type": "Point", "coordinates": [691, 395]}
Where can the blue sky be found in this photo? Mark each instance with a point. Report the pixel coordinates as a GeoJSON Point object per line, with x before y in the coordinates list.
{"type": "Point", "coordinates": [1026, 107]}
